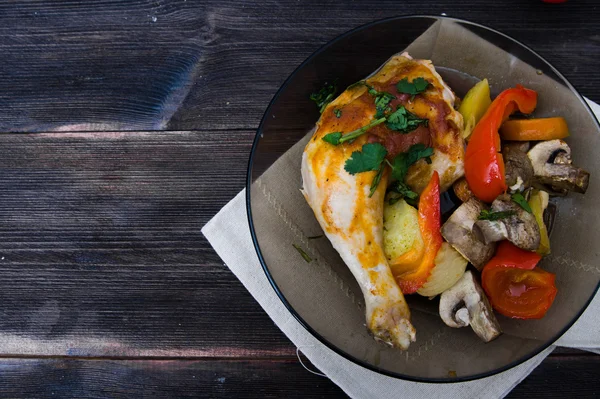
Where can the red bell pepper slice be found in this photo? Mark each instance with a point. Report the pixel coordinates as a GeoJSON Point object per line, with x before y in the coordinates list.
{"type": "Point", "coordinates": [429, 225]}
{"type": "Point", "coordinates": [484, 166]}
{"type": "Point", "coordinates": [510, 255]}
{"type": "Point", "coordinates": [515, 286]}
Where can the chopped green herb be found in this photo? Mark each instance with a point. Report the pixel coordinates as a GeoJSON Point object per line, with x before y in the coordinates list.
{"type": "Point", "coordinates": [519, 199]}
{"type": "Point", "coordinates": [381, 104]}
{"type": "Point", "coordinates": [302, 253]}
{"type": "Point", "coordinates": [333, 138]}
{"type": "Point", "coordinates": [403, 121]}
{"type": "Point", "coordinates": [369, 159]}
{"type": "Point", "coordinates": [382, 100]}
{"type": "Point", "coordinates": [324, 96]}
{"type": "Point", "coordinates": [315, 237]}
{"type": "Point", "coordinates": [372, 90]}
{"type": "Point", "coordinates": [337, 113]}
{"type": "Point", "coordinates": [405, 160]}
{"type": "Point", "coordinates": [376, 179]}
{"type": "Point", "coordinates": [400, 166]}
{"type": "Point", "coordinates": [413, 88]}
{"type": "Point", "coordinates": [402, 188]}
{"type": "Point", "coordinates": [336, 138]}
{"type": "Point", "coordinates": [412, 201]}
{"type": "Point", "coordinates": [490, 215]}
{"type": "Point", "coordinates": [360, 131]}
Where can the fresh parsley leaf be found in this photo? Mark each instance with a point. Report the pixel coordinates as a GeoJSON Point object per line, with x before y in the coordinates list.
{"type": "Point", "coordinates": [399, 190]}
{"type": "Point", "coordinates": [402, 188]}
{"type": "Point", "coordinates": [360, 131]}
{"type": "Point", "coordinates": [413, 88]}
{"type": "Point", "coordinates": [405, 160]}
{"type": "Point", "coordinates": [382, 98]}
{"type": "Point", "coordinates": [400, 166]}
{"type": "Point", "coordinates": [376, 180]}
{"type": "Point", "coordinates": [519, 199]}
{"type": "Point", "coordinates": [324, 96]}
{"type": "Point", "coordinates": [490, 215]}
{"type": "Point", "coordinates": [370, 158]}
{"type": "Point", "coordinates": [333, 138]}
{"type": "Point", "coordinates": [382, 101]}
{"type": "Point", "coordinates": [412, 201]}
{"type": "Point", "coordinates": [337, 113]}
{"type": "Point", "coordinates": [337, 138]}
{"type": "Point", "coordinates": [418, 151]}
{"type": "Point", "coordinates": [302, 253]}
{"type": "Point", "coordinates": [404, 121]}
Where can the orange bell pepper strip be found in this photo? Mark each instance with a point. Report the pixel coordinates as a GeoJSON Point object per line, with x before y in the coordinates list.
{"type": "Point", "coordinates": [484, 166]}
{"type": "Point", "coordinates": [534, 129]}
{"type": "Point", "coordinates": [429, 224]}
{"type": "Point", "coordinates": [515, 286]}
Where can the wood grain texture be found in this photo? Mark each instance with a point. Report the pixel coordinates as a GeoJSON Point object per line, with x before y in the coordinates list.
{"type": "Point", "coordinates": [281, 378]}
{"type": "Point", "coordinates": [101, 253]}
{"type": "Point", "coordinates": [294, 30]}
{"type": "Point", "coordinates": [182, 65]}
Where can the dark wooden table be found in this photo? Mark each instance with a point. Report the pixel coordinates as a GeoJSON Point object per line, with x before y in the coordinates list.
{"type": "Point", "coordinates": [131, 125]}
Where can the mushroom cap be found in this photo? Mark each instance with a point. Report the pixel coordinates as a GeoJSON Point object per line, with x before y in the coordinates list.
{"type": "Point", "coordinates": [465, 304]}
{"type": "Point", "coordinates": [551, 161]}
{"type": "Point", "coordinates": [544, 153]}
{"type": "Point", "coordinates": [458, 232]}
{"type": "Point", "coordinates": [521, 228]}
{"type": "Point", "coordinates": [518, 169]}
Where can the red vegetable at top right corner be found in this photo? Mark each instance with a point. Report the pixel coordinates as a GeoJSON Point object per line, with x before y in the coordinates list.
{"type": "Point", "coordinates": [484, 166]}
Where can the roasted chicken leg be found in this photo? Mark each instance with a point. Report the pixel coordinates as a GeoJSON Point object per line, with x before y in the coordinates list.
{"type": "Point", "coordinates": [353, 220]}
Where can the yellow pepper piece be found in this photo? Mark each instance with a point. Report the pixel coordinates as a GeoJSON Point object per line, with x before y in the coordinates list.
{"type": "Point", "coordinates": [473, 106]}
{"type": "Point", "coordinates": [538, 203]}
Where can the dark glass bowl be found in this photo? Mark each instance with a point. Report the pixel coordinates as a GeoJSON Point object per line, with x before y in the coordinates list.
{"type": "Point", "coordinates": [323, 295]}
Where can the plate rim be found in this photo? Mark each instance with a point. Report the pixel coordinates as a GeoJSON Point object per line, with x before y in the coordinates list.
{"type": "Point", "coordinates": [280, 294]}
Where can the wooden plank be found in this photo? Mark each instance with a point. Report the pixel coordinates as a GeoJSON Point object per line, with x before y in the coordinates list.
{"type": "Point", "coordinates": [561, 377]}
{"type": "Point", "coordinates": [160, 379]}
{"type": "Point", "coordinates": [185, 65]}
{"type": "Point", "coordinates": [280, 378]}
{"type": "Point", "coordinates": [101, 251]}
{"type": "Point", "coordinates": [104, 65]}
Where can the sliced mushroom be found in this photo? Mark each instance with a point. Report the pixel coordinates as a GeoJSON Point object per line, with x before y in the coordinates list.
{"type": "Point", "coordinates": [520, 228]}
{"type": "Point", "coordinates": [551, 162]}
{"type": "Point", "coordinates": [465, 304]}
{"type": "Point", "coordinates": [458, 231]}
{"type": "Point", "coordinates": [518, 168]}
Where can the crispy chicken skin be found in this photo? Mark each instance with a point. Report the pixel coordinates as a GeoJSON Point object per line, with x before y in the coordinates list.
{"type": "Point", "coordinates": [351, 219]}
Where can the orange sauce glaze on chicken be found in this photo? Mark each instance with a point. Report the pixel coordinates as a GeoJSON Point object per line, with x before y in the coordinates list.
{"type": "Point", "coordinates": [443, 131]}
{"type": "Point", "coordinates": [352, 220]}
{"type": "Point", "coordinates": [357, 110]}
